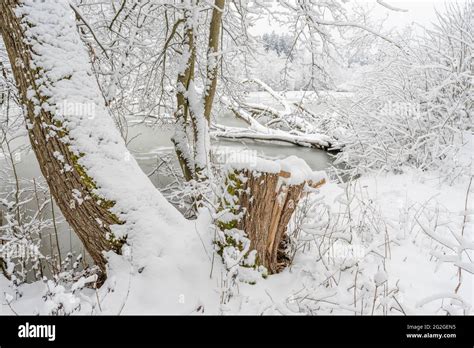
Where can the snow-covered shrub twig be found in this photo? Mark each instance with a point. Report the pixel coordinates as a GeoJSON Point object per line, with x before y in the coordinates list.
{"type": "Point", "coordinates": [416, 108]}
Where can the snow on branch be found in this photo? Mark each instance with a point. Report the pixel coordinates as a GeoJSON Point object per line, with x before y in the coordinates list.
{"type": "Point", "coordinates": [356, 25]}
{"type": "Point", "coordinates": [390, 7]}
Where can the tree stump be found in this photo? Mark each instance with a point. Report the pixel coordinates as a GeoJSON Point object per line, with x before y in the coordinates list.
{"type": "Point", "coordinates": [266, 203]}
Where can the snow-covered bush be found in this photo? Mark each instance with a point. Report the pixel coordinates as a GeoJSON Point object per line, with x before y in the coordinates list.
{"type": "Point", "coordinates": [62, 292]}
{"type": "Point", "coordinates": [358, 241]}
{"type": "Point", "coordinates": [22, 205]}
{"type": "Point", "coordinates": [29, 226]}
{"type": "Point", "coordinates": [416, 107]}
{"type": "Point", "coordinates": [343, 247]}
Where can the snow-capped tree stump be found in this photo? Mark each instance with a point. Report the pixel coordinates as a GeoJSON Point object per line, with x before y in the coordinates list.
{"type": "Point", "coordinates": [266, 202]}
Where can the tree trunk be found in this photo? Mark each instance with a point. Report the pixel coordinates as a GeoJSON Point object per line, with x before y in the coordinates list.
{"type": "Point", "coordinates": [192, 137]}
{"type": "Point", "coordinates": [212, 56]}
{"type": "Point", "coordinates": [181, 140]}
{"type": "Point", "coordinates": [52, 152]}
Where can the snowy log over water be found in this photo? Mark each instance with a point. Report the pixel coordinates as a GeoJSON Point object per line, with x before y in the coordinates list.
{"type": "Point", "coordinates": [257, 131]}
{"type": "Point", "coordinates": [300, 140]}
{"type": "Point", "coordinates": [297, 120]}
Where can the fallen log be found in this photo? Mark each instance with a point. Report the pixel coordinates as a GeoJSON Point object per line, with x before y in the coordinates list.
{"type": "Point", "coordinates": [257, 131]}
{"type": "Point", "coordinates": [314, 141]}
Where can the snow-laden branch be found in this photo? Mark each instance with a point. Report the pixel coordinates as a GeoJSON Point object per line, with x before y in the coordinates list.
{"type": "Point", "coordinates": [356, 25]}
{"type": "Point", "coordinates": [270, 91]}
{"type": "Point", "coordinates": [464, 304]}
{"type": "Point", "coordinates": [81, 17]}
{"type": "Point", "coordinates": [294, 116]}
{"type": "Point", "coordinates": [390, 7]}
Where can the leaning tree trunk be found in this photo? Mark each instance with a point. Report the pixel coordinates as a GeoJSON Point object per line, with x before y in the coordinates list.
{"type": "Point", "coordinates": [68, 181]}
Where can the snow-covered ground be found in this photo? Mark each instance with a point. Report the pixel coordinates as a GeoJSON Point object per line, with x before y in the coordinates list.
{"type": "Point", "coordinates": [408, 278]}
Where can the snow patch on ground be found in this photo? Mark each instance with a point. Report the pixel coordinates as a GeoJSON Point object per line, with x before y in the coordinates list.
{"type": "Point", "coordinates": [181, 283]}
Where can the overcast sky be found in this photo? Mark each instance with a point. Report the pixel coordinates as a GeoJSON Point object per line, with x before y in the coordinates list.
{"type": "Point", "coordinates": [420, 11]}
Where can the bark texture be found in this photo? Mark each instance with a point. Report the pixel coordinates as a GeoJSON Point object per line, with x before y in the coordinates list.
{"type": "Point", "coordinates": [91, 219]}
{"type": "Point", "coordinates": [269, 204]}
{"type": "Point", "coordinates": [183, 118]}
